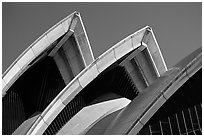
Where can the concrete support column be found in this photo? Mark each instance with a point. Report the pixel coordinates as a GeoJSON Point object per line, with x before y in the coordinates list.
{"type": "Point", "coordinates": [63, 67]}
{"type": "Point", "coordinates": [147, 67]}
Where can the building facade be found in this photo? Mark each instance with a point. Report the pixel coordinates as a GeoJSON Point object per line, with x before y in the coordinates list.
{"type": "Point", "coordinates": [56, 86]}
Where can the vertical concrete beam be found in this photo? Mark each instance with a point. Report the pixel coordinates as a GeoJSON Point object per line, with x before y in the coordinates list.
{"type": "Point", "coordinates": [145, 62]}
{"type": "Point", "coordinates": [158, 62]}
{"type": "Point", "coordinates": [155, 52]}
{"type": "Point", "coordinates": [140, 70]}
{"type": "Point", "coordinates": [78, 27]}
{"type": "Point", "coordinates": [82, 41]}
{"type": "Point", "coordinates": [73, 56]}
{"type": "Point", "coordinates": [84, 48]}
{"type": "Point", "coordinates": [63, 68]}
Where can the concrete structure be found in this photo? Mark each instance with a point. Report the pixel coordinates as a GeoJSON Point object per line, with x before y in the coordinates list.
{"type": "Point", "coordinates": [57, 87]}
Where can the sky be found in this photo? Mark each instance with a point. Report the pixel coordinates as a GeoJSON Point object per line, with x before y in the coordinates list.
{"type": "Point", "coordinates": [177, 26]}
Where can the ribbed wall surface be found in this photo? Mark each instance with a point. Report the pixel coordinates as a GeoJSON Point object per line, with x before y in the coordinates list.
{"type": "Point", "coordinates": [51, 93]}
{"type": "Point", "coordinates": [31, 94]}
{"type": "Point", "coordinates": [185, 122]}
{"type": "Point", "coordinates": [65, 115]}
{"type": "Point", "coordinates": [13, 113]}
{"type": "Point", "coordinates": [182, 113]}
{"type": "Point", "coordinates": [123, 84]}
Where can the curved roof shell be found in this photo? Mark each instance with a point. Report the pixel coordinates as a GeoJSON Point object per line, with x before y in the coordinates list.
{"type": "Point", "coordinates": [146, 104]}
{"type": "Point", "coordinates": [93, 67]}
{"type": "Point", "coordinates": [143, 37]}
{"type": "Point", "coordinates": [69, 25]}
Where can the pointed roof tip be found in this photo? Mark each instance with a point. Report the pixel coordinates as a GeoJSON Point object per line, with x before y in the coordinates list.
{"type": "Point", "coordinates": [148, 28]}
{"type": "Point", "coordinates": [77, 13]}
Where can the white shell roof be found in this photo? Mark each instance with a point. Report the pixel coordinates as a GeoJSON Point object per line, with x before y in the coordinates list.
{"type": "Point", "coordinates": [85, 76]}
{"type": "Point", "coordinates": [20, 65]}
{"type": "Point", "coordinates": [147, 103]}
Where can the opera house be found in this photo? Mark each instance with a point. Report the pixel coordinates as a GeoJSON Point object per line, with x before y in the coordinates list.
{"type": "Point", "coordinates": [56, 86]}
